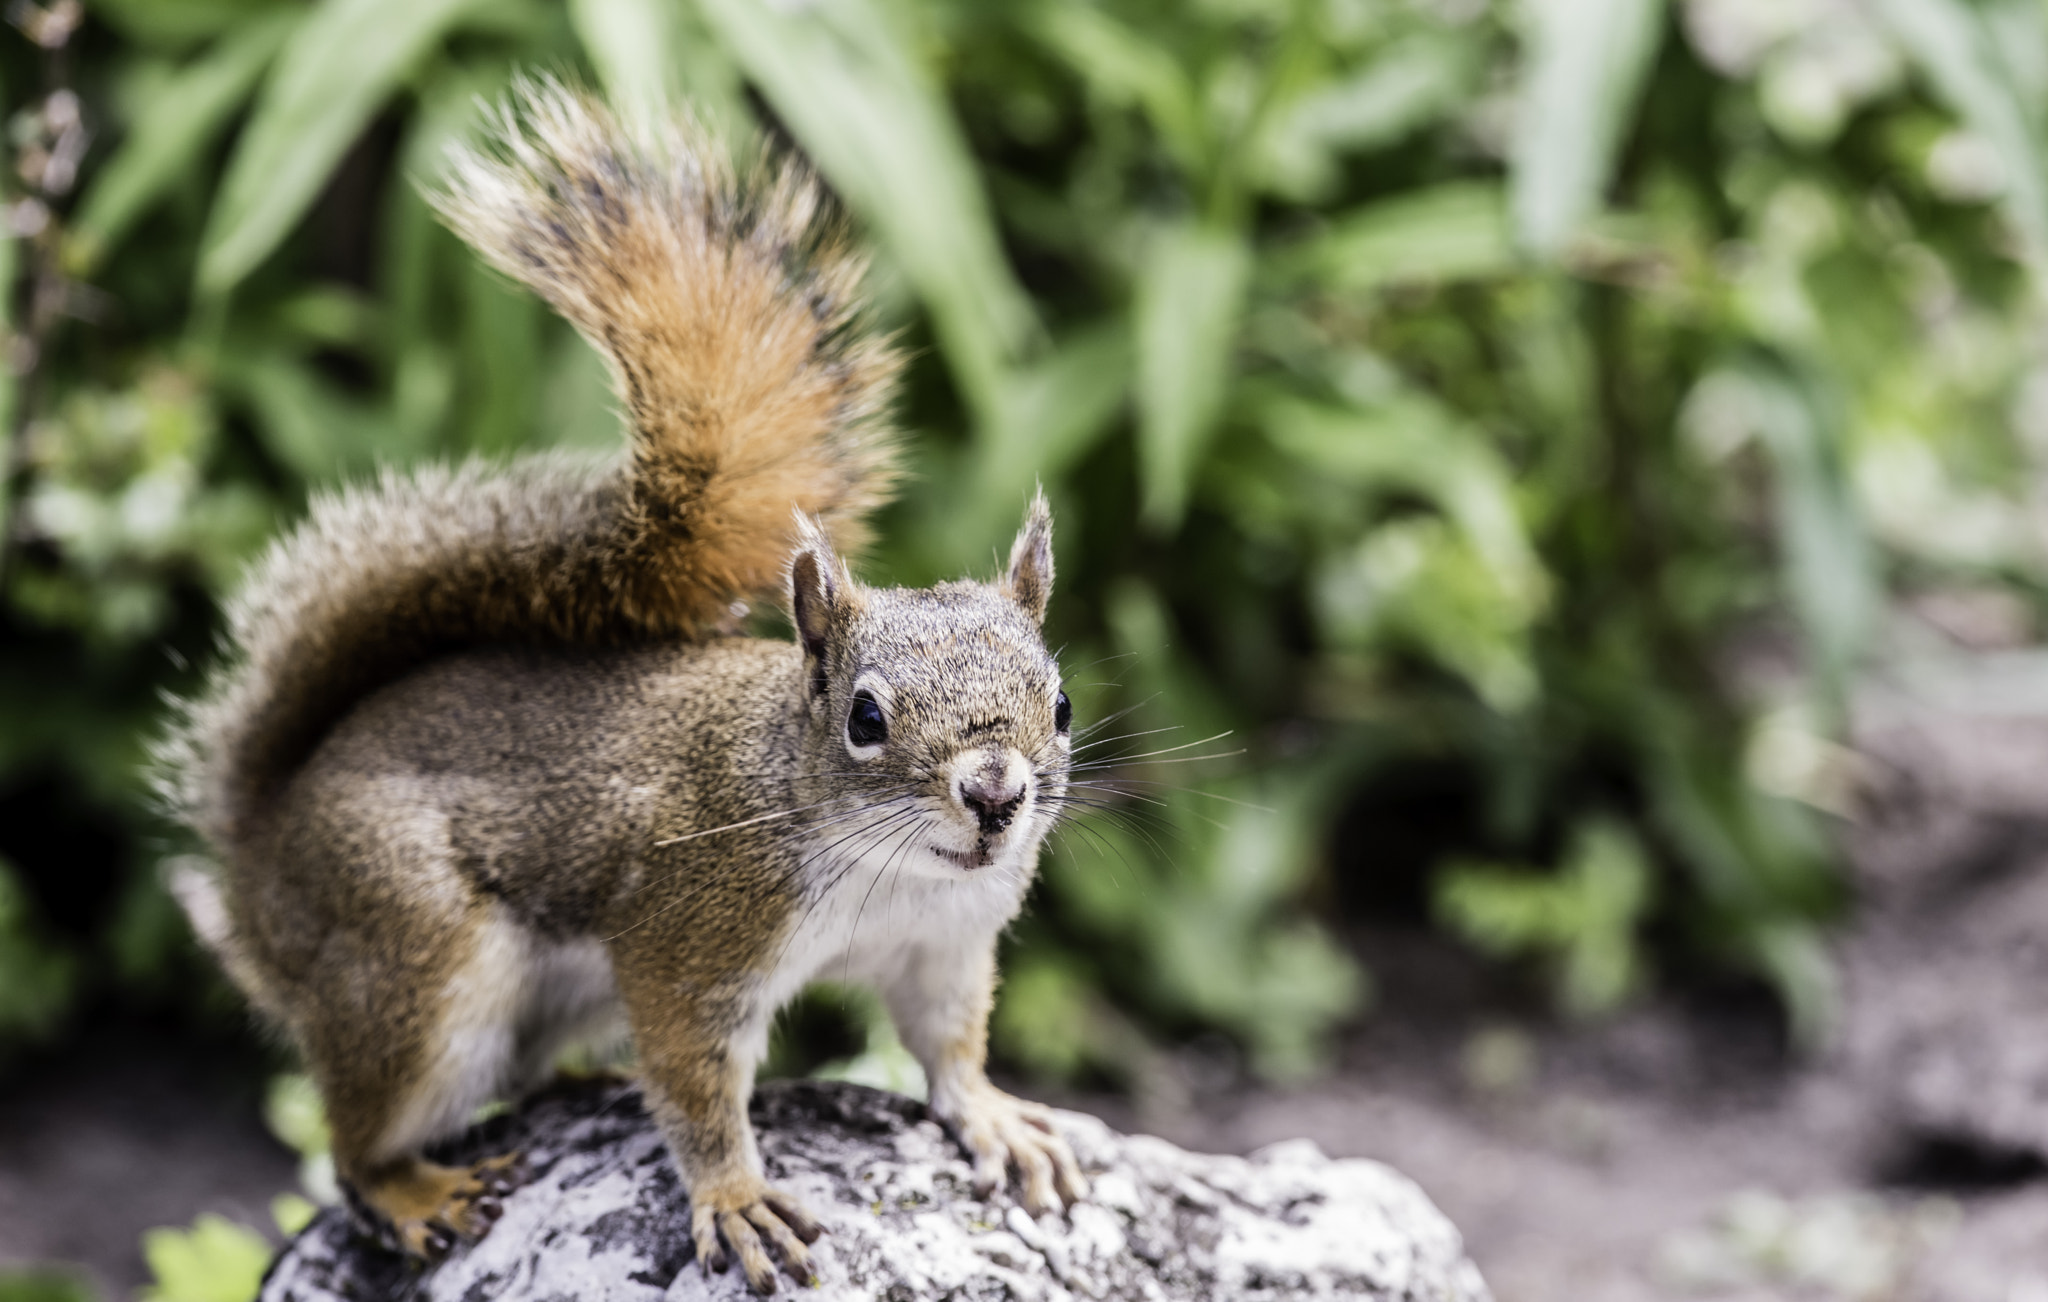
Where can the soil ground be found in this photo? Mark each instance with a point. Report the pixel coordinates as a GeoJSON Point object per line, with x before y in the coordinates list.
{"type": "Point", "coordinates": [128, 1128]}
{"type": "Point", "coordinates": [1677, 1152]}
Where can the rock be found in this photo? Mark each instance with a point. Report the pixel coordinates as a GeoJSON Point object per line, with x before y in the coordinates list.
{"type": "Point", "coordinates": [603, 1217]}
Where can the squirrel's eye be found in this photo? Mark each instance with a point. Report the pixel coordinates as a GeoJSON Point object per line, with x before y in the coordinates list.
{"type": "Point", "coordinates": [865, 725]}
{"type": "Point", "coordinates": [1062, 713]}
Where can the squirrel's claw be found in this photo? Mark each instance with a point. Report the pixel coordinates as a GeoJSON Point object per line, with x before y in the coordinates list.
{"type": "Point", "coordinates": [745, 1225]}
{"type": "Point", "coordinates": [502, 1174]}
{"type": "Point", "coordinates": [804, 1225]}
{"type": "Point", "coordinates": [424, 1210]}
{"type": "Point", "coordinates": [796, 1260]}
{"type": "Point", "coordinates": [1000, 1132]}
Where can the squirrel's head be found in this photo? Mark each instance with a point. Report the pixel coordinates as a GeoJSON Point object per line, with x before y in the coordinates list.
{"type": "Point", "coordinates": [939, 710]}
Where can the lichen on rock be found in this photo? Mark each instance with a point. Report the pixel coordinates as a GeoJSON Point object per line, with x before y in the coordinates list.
{"type": "Point", "coordinates": [602, 1216]}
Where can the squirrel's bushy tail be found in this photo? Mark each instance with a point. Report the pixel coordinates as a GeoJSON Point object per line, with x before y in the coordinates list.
{"type": "Point", "coordinates": [726, 307]}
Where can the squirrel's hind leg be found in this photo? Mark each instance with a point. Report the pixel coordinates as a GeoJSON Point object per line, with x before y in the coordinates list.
{"type": "Point", "coordinates": [405, 1056]}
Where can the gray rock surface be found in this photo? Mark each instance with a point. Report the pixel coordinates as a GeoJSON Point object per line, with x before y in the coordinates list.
{"type": "Point", "coordinates": [603, 1216]}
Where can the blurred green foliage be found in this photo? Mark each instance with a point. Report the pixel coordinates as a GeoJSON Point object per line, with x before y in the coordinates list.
{"type": "Point", "coordinates": [52, 1285]}
{"type": "Point", "coordinates": [1587, 913]}
{"type": "Point", "coordinates": [1533, 402]}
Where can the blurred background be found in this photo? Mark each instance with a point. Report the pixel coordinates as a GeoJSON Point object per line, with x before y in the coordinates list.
{"type": "Point", "coordinates": [1502, 449]}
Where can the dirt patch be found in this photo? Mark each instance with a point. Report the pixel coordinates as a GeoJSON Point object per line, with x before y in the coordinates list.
{"type": "Point", "coordinates": [130, 1128]}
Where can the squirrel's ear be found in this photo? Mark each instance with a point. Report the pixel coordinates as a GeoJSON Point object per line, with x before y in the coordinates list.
{"type": "Point", "coordinates": [816, 586]}
{"type": "Point", "coordinates": [1029, 582]}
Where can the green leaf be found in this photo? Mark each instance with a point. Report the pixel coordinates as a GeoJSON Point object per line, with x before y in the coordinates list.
{"type": "Point", "coordinates": [1045, 997]}
{"type": "Point", "coordinates": [1829, 567]}
{"type": "Point", "coordinates": [711, 80]}
{"type": "Point", "coordinates": [1407, 85]}
{"type": "Point", "coordinates": [1190, 295]}
{"type": "Point", "coordinates": [502, 334]}
{"type": "Point", "coordinates": [1217, 942]}
{"type": "Point", "coordinates": [882, 1063]}
{"type": "Point", "coordinates": [654, 56]}
{"type": "Point", "coordinates": [1585, 64]}
{"type": "Point", "coordinates": [214, 1261]}
{"type": "Point", "coordinates": [451, 107]}
{"type": "Point", "coordinates": [172, 130]}
{"type": "Point", "coordinates": [292, 1213]}
{"type": "Point", "coordinates": [1126, 68]}
{"type": "Point", "coordinates": [343, 62]}
{"type": "Point", "coordinates": [1957, 52]}
{"type": "Point", "coordinates": [180, 24]}
{"type": "Point", "coordinates": [1053, 413]}
{"type": "Point", "coordinates": [629, 41]}
{"type": "Point", "coordinates": [843, 76]}
{"type": "Point", "coordinates": [1794, 956]}
{"type": "Point", "coordinates": [293, 1110]}
{"type": "Point", "coordinates": [1451, 232]}
{"type": "Point", "coordinates": [577, 409]}
{"type": "Point", "coordinates": [1412, 443]}
{"type": "Point", "coordinates": [1417, 582]}
{"type": "Point", "coordinates": [311, 427]}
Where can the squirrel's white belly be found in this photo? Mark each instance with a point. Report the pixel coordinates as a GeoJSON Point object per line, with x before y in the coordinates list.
{"type": "Point", "coordinates": [865, 913]}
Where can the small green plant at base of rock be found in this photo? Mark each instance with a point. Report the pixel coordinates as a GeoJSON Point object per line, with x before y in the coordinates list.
{"type": "Point", "coordinates": [215, 1260]}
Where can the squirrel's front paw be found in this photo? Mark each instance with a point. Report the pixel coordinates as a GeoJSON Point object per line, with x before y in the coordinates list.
{"type": "Point", "coordinates": [743, 1211]}
{"type": "Point", "coordinates": [1001, 1131]}
{"type": "Point", "coordinates": [423, 1209]}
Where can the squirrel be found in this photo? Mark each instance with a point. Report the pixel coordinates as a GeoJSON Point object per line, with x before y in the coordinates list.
{"type": "Point", "coordinates": [489, 764]}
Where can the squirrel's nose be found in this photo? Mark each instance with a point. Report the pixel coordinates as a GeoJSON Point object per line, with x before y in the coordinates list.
{"type": "Point", "coordinates": [991, 798]}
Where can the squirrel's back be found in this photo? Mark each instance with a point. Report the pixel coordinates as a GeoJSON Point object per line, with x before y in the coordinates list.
{"type": "Point", "coordinates": [726, 308]}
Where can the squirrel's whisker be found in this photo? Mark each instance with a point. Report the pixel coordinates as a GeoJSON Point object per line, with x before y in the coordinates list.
{"type": "Point", "coordinates": [659, 878]}
{"type": "Point", "coordinates": [1104, 847]}
{"type": "Point", "coordinates": [786, 877]}
{"type": "Point", "coordinates": [1100, 784]}
{"type": "Point", "coordinates": [1108, 786]}
{"type": "Point", "coordinates": [1115, 790]}
{"type": "Point", "coordinates": [887, 869]}
{"type": "Point", "coordinates": [749, 822]}
{"type": "Point", "coordinates": [878, 830]}
{"type": "Point", "coordinates": [1137, 822]}
{"type": "Point", "coordinates": [1126, 736]}
{"type": "Point", "coordinates": [685, 898]}
{"type": "Point", "coordinates": [1110, 718]}
{"type": "Point", "coordinates": [1168, 750]}
{"type": "Point", "coordinates": [1103, 660]}
{"type": "Point", "coordinates": [1096, 766]}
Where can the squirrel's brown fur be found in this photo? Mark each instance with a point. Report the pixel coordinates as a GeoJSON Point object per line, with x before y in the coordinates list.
{"type": "Point", "coordinates": [725, 307]}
